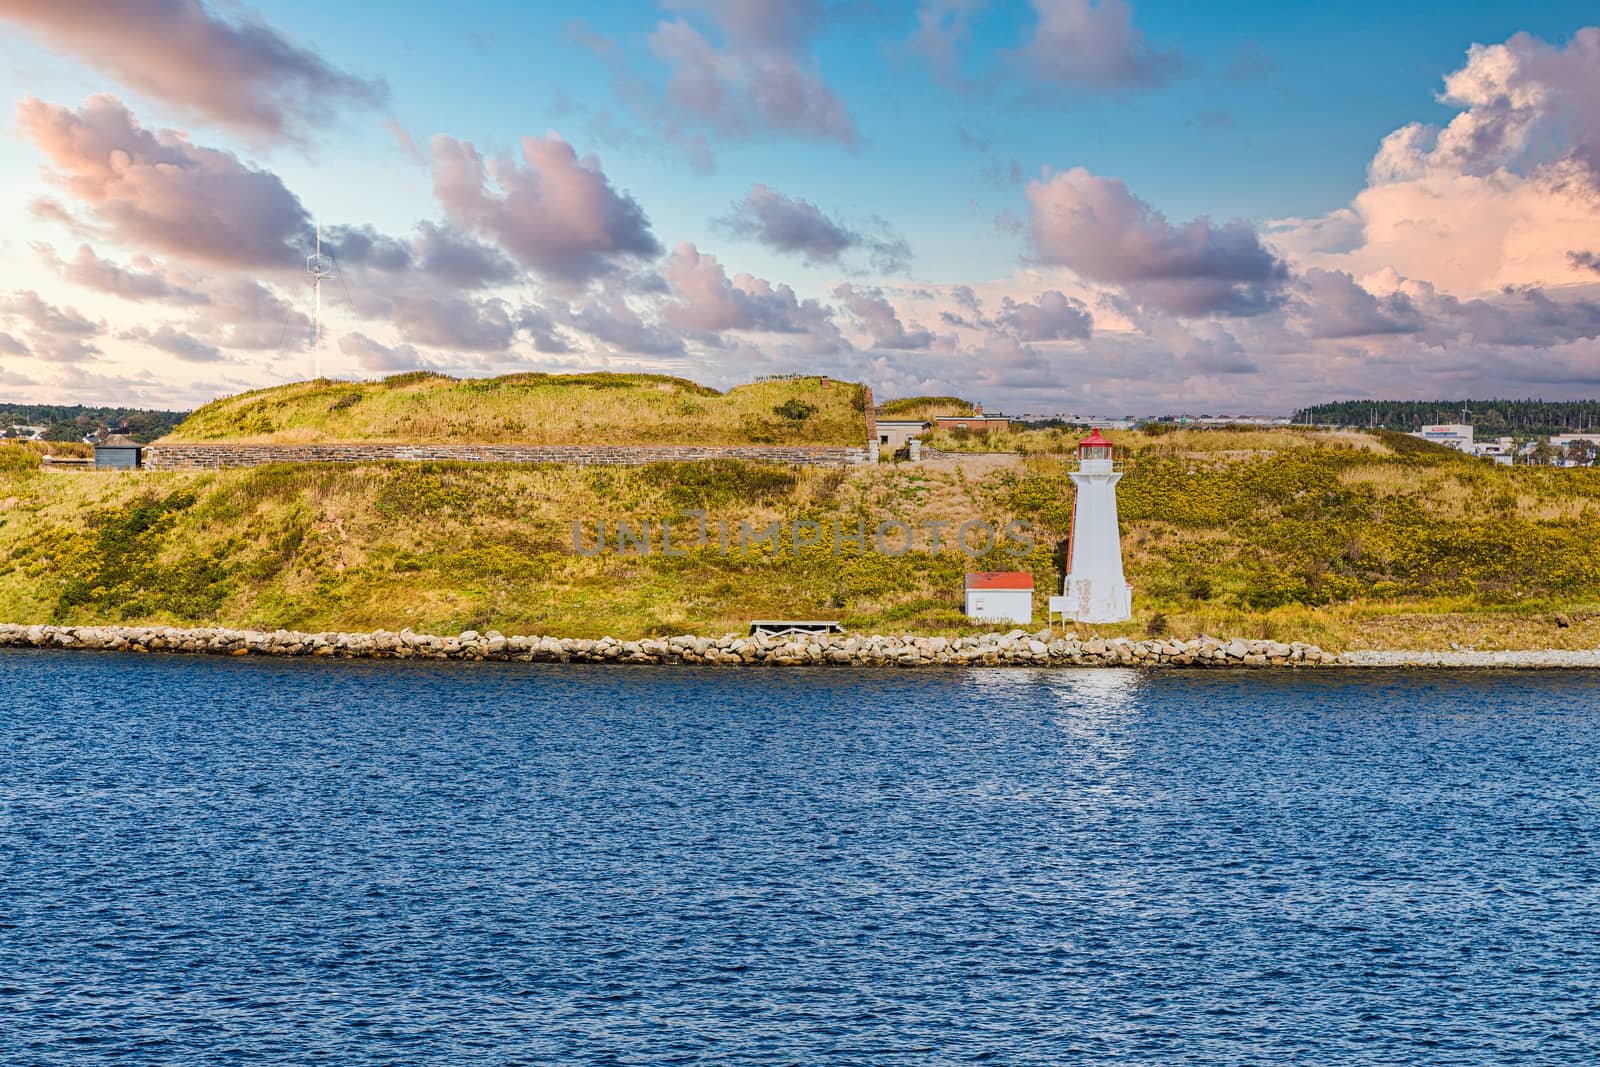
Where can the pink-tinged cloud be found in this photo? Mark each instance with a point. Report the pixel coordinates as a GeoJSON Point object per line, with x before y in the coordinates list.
{"type": "Point", "coordinates": [789, 224]}
{"type": "Point", "coordinates": [175, 342]}
{"type": "Point", "coordinates": [425, 290]}
{"type": "Point", "coordinates": [874, 314]}
{"type": "Point", "coordinates": [769, 24]}
{"type": "Point", "coordinates": [1098, 228]}
{"type": "Point", "coordinates": [378, 358]}
{"type": "Point", "coordinates": [1502, 195]}
{"type": "Point", "coordinates": [1003, 361]}
{"type": "Point", "coordinates": [155, 191]}
{"type": "Point", "coordinates": [795, 225]}
{"type": "Point", "coordinates": [708, 301]}
{"type": "Point", "coordinates": [554, 213]}
{"type": "Point", "coordinates": [943, 29]}
{"type": "Point", "coordinates": [455, 323]}
{"type": "Point", "coordinates": [239, 72]}
{"type": "Point", "coordinates": [242, 313]}
{"type": "Point", "coordinates": [59, 349]}
{"type": "Point", "coordinates": [761, 79]}
{"type": "Point", "coordinates": [141, 283]}
{"type": "Point", "coordinates": [1206, 350]}
{"type": "Point", "coordinates": [459, 260]}
{"type": "Point", "coordinates": [45, 317]}
{"type": "Point", "coordinates": [1332, 304]}
{"type": "Point", "coordinates": [1515, 318]}
{"type": "Point", "coordinates": [1513, 96]}
{"type": "Point", "coordinates": [53, 334]}
{"type": "Point", "coordinates": [1094, 44]}
{"type": "Point", "coordinates": [364, 246]}
{"type": "Point", "coordinates": [441, 253]}
{"type": "Point", "coordinates": [1050, 316]}
{"type": "Point", "coordinates": [610, 320]}
{"type": "Point", "coordinates": [541, 326]}
{"type": "Point", "coordinates": [402, 138]}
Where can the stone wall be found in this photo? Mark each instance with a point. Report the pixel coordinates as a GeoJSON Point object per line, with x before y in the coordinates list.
{"type": "Point", "coordinates": [1014, 649]}
{"type": "Point", "coordinates": [164, 457]}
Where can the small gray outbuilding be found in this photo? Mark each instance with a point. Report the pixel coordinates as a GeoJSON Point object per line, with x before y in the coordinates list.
{"type": "Point", "coordinates": [118, 453]}
{"type": "Point", "coordinates": [896, 433]}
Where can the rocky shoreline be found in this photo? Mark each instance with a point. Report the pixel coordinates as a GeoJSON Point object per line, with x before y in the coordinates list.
{"type": "Point", "coordinates": [1016, 648]}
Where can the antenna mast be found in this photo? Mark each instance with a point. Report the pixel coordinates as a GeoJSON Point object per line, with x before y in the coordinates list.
{"type": "Point", "coordinates": [318, 267]}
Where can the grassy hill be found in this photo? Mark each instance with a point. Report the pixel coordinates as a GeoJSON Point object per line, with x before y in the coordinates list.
{"type": "Point", "coordinates": [924, 407]}
{"type": "Point", "coordinates": [1347, 539]}
{"type": "Point", "coordinates": [540, 409]}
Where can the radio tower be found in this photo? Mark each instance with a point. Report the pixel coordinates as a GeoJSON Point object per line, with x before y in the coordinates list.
{"type": "Point", "coordinates": [318, 267]}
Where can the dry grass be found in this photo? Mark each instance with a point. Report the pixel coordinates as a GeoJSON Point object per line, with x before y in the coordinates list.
{"type": "Point", "coordinates": [1223, 443]}
{"type": "Point", "coordinates": [39, 449]}
{"type": "Point", "coordinates": [1243, 443]}
{"type": "Point", "coordinates": [447, 547]}
{"type": "Point", "coordinates": [443, 547]}
{"type": "Point", "coordinates": [1465, 625]}
{"type": "Point", "coordinates": [924, 407]}
{"type": "Point", "coordinates": [1462, 491]}
{"type": "Point", "coordinates": [608, 409]}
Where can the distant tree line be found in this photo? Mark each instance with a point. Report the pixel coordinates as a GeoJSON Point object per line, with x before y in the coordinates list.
{"type": "Point", "coordinates": [1489, 418]}
{"type": "Point", "coordinates": [74, 422]}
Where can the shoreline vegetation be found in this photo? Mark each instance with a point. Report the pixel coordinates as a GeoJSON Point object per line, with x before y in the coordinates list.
{"type": "Point", "coordinates": [1347, 540]}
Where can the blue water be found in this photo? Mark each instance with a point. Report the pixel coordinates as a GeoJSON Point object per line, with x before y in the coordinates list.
{"type": "Point", "coordinates": [223, 861]}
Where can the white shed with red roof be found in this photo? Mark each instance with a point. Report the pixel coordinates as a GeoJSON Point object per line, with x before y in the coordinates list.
{"type": "Point", "coordinates": [1000, 596]}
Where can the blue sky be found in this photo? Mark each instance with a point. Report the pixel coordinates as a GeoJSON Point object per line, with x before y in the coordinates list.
{"type": "Point", "coordinates": [1202, 128]}
{"type": "Point", "coordinates": [1253, 142]}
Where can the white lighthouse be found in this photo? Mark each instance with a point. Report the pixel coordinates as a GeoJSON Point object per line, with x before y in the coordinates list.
{"type": "Point", "coordinates": [1094, 589]}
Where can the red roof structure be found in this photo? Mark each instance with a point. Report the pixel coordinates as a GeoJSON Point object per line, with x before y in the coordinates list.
{"type": "Point", "coordinates": [1094, 440]}
{"type": "Point", "coordinates": [999, 580]}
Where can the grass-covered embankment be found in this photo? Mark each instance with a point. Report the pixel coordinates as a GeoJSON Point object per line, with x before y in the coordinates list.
{"type": "Point", "coordinates": [1339, 540]}
{"type": "Point", "coordinates": [924, 407]}
{"type": "Point", "coordinates": [536, 409]}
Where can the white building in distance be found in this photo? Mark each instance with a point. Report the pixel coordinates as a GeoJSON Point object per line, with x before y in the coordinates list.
{"type": "Point", "coordinates": [1456, 435]}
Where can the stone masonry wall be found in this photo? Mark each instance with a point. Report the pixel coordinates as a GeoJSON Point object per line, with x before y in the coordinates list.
{"type": "Point", "coordinates": [1044, 648]}
{"type": "Point", "coordinates": [215, 457]}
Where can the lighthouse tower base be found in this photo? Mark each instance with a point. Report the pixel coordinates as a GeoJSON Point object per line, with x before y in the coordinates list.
{"type": "Point", "coordinates": [1088, 600]}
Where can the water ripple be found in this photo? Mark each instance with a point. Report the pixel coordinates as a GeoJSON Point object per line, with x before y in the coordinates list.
{"type": "Point", "coordinates": [206, 861]}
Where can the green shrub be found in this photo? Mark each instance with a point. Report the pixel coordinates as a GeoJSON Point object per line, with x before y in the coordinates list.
{"type": "Point", "coordinates": [719, 483]}
{"type": "Point", "coordinates": [795, 410]}
{"type": "Point", "coordinates": [123, 565]}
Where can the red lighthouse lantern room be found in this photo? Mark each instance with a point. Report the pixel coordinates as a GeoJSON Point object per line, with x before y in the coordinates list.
{"type": "Point", "coordinates": [1094, 447]}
